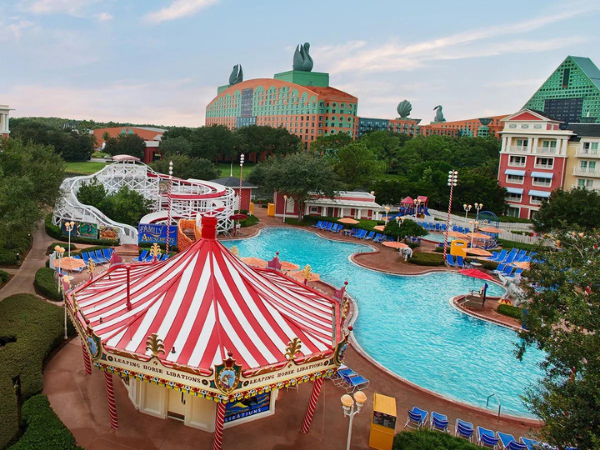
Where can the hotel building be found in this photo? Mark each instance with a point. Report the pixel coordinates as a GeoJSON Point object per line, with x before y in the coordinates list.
{"type": "Point", "coordinates": [4, 128]}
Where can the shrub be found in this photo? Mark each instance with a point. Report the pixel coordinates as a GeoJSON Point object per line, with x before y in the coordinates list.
{"type": "Point", "coordinates": [46, 285]}
{"type": "Point", "coordinates": [295, 221]}
{"type": "Point", "coordinates": [3, 277]}
{"type": "Point", "coordinates": [33, 329]}
{"type": "Point", "coordinates": [430, 440]}
{"type": "Point", "coordinates": [50, 248]}
{"type": "Point", "coordinates": [55, 232]}
{"type": "Point", "coordinates": [427, 259]}
{"type": "Point", "coordinates": [511, 244]}
{"type": "Point", "coordinates": [489, 265]}
{"type": "Point", "coordinates": [43, 428]}
{"type": "Point", "coordinates": [8, 257]}
{"type": "Point", "coordinates": [511, 311]}
{"type": "Point", "coordinates": [251, 220]}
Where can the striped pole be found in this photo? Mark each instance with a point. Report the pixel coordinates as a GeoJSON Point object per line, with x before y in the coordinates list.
{"type": "Point", "coordinates": [86, 359]}
{"type": "Point", "coordinates": [110, 396]}
{"type": "Point", "coordinates": [219, 422]}
{"type": "Point", "coordinates": [169, 194]}
{"type": "Point", "coordinates": [452, 180]}
{"type": "Point", "coordinates": [312, 405]}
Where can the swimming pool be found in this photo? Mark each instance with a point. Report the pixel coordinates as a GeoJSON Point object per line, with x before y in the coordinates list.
{"type": "Point", "coordinates": [407, 324]}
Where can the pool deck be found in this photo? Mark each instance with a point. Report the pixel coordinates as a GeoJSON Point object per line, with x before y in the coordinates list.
{"type": "Point", "coordinates": [80, 401]}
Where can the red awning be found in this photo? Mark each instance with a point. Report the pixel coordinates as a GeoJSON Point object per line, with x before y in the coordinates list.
{"type": "Point", "coordinates": [408, 201]}
{"type": "Point", "coordinates": [476, 274]}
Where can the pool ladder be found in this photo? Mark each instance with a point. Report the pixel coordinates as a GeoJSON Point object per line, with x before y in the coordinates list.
{"type": "Point", "coordinates": [487, 403]}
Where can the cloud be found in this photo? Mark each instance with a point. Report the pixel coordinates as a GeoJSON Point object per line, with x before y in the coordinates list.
{"type": "Point", "coordinates": [14, 30]}
{"type": "Point", "coordinates": [178, 9]}
{"type": "Point", "coordinates": [517, 83]}
{"type": "Point", "coordinates": [103, 17]}
{"type": "Point", "coordinates": [395, 56]}
{"type": "Point", "coordinates": [72, 7]}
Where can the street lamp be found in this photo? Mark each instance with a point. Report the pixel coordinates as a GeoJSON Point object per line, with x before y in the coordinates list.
{"type": "Point", "coordinates": [467, 208]}
{"type": "Point", "coordinates": [67, 281]}
{"type": "Point", "coordinates": [59, 252]}
{"type": "Point", "coordinates": [285, 197]}
{"type": "Point", "coordinates": [348, 404]}
{"type": "Point", "coordinates": [478, 207]}
{"type": "Point", "coordinates": [387, 211]}
{"type": "Point", "coordinates": [69, 227]}
{"type": "Point", "coordinates": [452, 181]}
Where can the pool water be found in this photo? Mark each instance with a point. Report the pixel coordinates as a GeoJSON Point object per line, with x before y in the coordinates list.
{"type": "Point", "coordinates": [407, 324]}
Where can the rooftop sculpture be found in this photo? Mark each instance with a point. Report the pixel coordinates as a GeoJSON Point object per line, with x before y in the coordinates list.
{"type": "Point", "coordinates": [237, 75]}
{"type": "Point", "coordinates": [302, 60]}
{"type": "Point", "coordinates": [439, 115]}
{"type": "Point", "coordinates": [404, 109]}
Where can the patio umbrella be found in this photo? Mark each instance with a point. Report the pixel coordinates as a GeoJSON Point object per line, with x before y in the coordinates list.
{"type": "Point", "coordinates": [299, 275]}
{"type": "Point", "coordinates": [71, 263]}
{"type": "Point", "coordinates": [490, 230]}
{"type": "Point", "coordinates": [475, 273]}
{"type": "Point", "coordinates": [479, 236]}
{"type": "Point", "coordinates": [522, 265]}
{"type": "Point", "coordinates": [348, 221]}
{"type": "Point", "coordinates": [286, 265]}
{"type": "Point", "coordinates": [256, 262]}
{"type": "Point", "coordinates": [238, 217]}
{"type": "Point", "coordinates": [395, 244]}
{"type": "Point", "coordinates": [456, 234]}
{"type": "Point", "coordinates": [477, 252]}
{"type": "Point", "coordinates": [379, 228]}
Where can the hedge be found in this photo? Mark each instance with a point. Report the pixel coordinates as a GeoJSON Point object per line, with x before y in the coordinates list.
{"type": "Point", "coordinates": [511, 311]}
{"type": "Point", "coordinates": [8, 257]}
{"type": "Point", "coordinates": [31, 329]}
{"type": "Point", "coordinates": [46, 285]}
{"type": "Point", "coordinates": [426, 259]}
{"type": "Point", "coordinates": [55, 232]}
{"type": "Point", "coordinates": [50, 248]}
{"type": "Point", "coordinates": [518, 245]}
{"type": "Point", "coordinates": [4, 276]}
{"type": "Point", "coordinates": [430, 440]}
{"type": "Point", "coordinates": [43, 428]}
{"type": "Point", "coordinates": [251, 220]}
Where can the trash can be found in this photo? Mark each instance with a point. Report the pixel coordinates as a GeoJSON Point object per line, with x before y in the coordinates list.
{"type": "Point", "coordinates": [383, 423]}
{"type": "Point", "coordinates": [271, 210]}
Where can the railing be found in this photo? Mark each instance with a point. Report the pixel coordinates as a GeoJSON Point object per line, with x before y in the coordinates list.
{"type": "Point", "coordinates": [587, 153]}
{"type": "Point", "coordinates": [487, 403]}
{"type": "Point", "coordinates": [586, 171]}
{"type": "Point", "coordinates": [547, 150]}
{"type": "Point", "coordinates": [518, 149]}
{"type": "Point", "coordinates": [589, 188]}
{"type": "Point", "coordinates": [543, 166]}
{"type": "Point", "coordinates": [512, 164]}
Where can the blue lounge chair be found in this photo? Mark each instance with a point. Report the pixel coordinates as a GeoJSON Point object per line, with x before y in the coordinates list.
{"type": "Point", "coordinates": [454, 228]}
{"type": "Point", "coordinates": [438, 422]}
{"type": "Point", "coordinates": [108, 252]}
{"type": "Point", "coordinates": [508, 442]}
{"type": "Point", "coordinates": [86, 258]}
{"type": "Point", "coordinates": [438, 227]}
{"type": "Point", "coordinates": [142, 256]}
{"type": "Point", "coordinates": [361, 234]}
{"type": "Point", "coordinates": [507, 271]}
{"type": "Point", "coordinates": [460, 263]}
{"type": "Point", "coordinates": [450, 260]}
{"type": "Point", "coordinates": [444, 227]}
{"type": "Point", "coordinates": [370, 236]}
{"type": "Point", "coordinates": [499, 269]}
{"type": "Point", "coordinates": [464, 430]}
{"type": "Point", "coordinates": [378, 237]}
{"type": "Point", "coordinates": [338, 378]}
{"type": "Point", "coordinates": [318, 224]}
{"type": "Point", "coordinates": [100, 256]}
{"type": "Point", "coordinates": [529, 443]}
{"type": "Point", "coordinates": [499, 257]}
{"type": "Point", "coordinates": [516, 273]}
{"type": "Point", "coordinates": [328, 226]}
{"type": "Point", "coordinates": [461, 230]}
{"type": "Point", "coordinates": [335, 228]}
{"type": "Point", "coordinates": [354, 383]}
{"type": "Point", "coordinates": [521, 254]}
{"type": "Point", "coordinates": [353, 231]}
{"type": "Point", "coordinates": [511, 256]}
{"type": "Point", "coordinates": [417, 418]}
{"type": "Point", "coordinates": [487, 438]}
{"type": "Point", "coordinates": [94, 258]}
{"type": "Point", "coordinates": [325, 225]}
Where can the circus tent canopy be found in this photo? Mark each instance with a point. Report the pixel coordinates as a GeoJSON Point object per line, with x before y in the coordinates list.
{"type": "Point", "coordinates": [205, 303]}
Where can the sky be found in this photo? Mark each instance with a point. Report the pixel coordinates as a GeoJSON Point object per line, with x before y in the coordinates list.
{"type": "Point", "coordinates": [161, 61]}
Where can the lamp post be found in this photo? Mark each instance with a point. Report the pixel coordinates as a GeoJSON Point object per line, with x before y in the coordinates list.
{"type": "Point", "coordinates": [66, 280]}
{"type": "Point", "coordinates": [69, 227]}
{"type": "Point", "coordinates": [475, 225]}
{"type": "Point", "coordinates": [59, 252]}
{"type": "Point", "coordinates": [467, 208]}
{"type": "Point", "coordinates": [169, 193]}
{"type": "Point", "coordinates": [348, 405]}
{"type": "Point", "coordinates": [387, 211]}
{"type": "Point", "coordinates": [285, 197]}
{"type": "Point", "coordinates": [452, 181]}
{"type": "Point", "coordinates": [478, 207]}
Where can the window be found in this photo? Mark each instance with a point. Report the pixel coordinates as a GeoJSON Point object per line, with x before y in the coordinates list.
{"type": "Point", "coordinates": [544, 163]}
{"type": "Point", "coordinates": [565, 80]}
{"type": "Point", "coordinates": [585, 184]}
{"type": "Point", "coordinates": [522, 143]}
{"type": "Point", "coordinates": [514, 198]}
{"type": "Point", "coordinates": [513, 212]}
{"type": "Point", "coordinates": [517, 161]}
{"type": "Point", "coordinates": [545, 182]}
{"type": "Point", "coordinates": [587, 166]}
{"type": "Point", "coordinates": [590, 148]}
{"type": "Point", "coordinates": [516, 179]}
{"type": "Point", "coordinates": [537, 200]}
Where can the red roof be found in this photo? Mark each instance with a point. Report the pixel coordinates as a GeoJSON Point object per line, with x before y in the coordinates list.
{"type": "Point", "coordinates": [204, 303]}
{"type": "Point", "coordinates": [408, 201]}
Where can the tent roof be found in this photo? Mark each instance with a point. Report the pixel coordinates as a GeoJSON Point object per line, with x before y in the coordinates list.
{"type": "Point", "coordinates": [204, 303]}
{"type": "Point", "coordinates": [408, 201]}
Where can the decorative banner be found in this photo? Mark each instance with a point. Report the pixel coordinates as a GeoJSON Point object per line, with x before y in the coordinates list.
{"type": "Point", "coordinates": [247, 407]}
{"type": "Point", "coordinates": [109, 233]}
{"type": "Point", "coordinates": [156, 234]}
{"type": "Point", "coordinates": [81, 229]}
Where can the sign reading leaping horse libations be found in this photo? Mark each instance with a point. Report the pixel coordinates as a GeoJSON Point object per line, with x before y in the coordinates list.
{"type": "Point", "coordinates": [156, 234]}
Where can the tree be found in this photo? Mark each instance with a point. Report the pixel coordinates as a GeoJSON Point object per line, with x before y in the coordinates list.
{"type": "Point", "coordinates": [126, 144]}
{"type": "Point", "coordinates": [562, 319]}
{"type": "Point", "coordinates": [328, 145]}
{"type": "Point", "coordinates": [404, 229]}
{"type": "Point", "coordinates": [565, 209]}
{"type": "Point", "coordinates": [298, 175]}
{"type": "Point", "coordinates": [126, 206]}
{"type": "Point", "coordinates": [92, 193]}
{"type": "Point", "coordinates": [264, 140]}
{"type": "Point", "coordinates": [356, 164]}
{"type": "Point", "coordinates": [186, 167]}
{"type": "Point", "coordinates": [213, 142]}
{"type": "Point", "coordinates": [178, 145]}
{"type": "Point", "coordinates": [386, 146]}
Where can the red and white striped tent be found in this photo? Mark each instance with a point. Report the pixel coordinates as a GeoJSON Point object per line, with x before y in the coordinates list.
{"type": "Point", "coordinates": [204, 313]}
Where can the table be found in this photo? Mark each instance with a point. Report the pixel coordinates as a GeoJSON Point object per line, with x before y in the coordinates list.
{"type": "Point", "coordinates": [476, 264]}
{"type": "Point", "coordinates": [347, 232]}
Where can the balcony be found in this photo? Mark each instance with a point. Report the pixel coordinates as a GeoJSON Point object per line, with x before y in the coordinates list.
{"type": "Point", "coordinates": [586, 172]}
{"type": "Point", "coordinates": [587, 153]}
{"type": "Point", "coordinates": [588, 188]}
{"type": "Point", "coordinates": [518, 149]}
{"type": "Point", "coordinates": [547, 150]}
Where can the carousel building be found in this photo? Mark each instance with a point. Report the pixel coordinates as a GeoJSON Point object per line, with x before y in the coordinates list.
{"type": "Point", "coordinates": [204, 338]}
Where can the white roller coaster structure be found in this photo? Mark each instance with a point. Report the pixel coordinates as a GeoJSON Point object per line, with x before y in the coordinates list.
{"type": "Point", "coordinates": [190, 199]}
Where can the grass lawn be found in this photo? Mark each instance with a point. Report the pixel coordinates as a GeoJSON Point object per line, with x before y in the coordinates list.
{"type": "Point", "coordinates": [225, 169]}
{"type": "Point", "coordinates": [84, 167]}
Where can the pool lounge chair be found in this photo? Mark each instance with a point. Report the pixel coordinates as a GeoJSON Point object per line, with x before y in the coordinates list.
{"type": "Point", "coordinates": [338, 378]}
{"type": "Point", "coordinates": [370, 236]}
{"type": "Point", "coordinates": [318, 224]}
{"type": "Point", "coordinates": [328, 226]}
{"type": "Point", "coordinates": [101, 256]}
{"type": "Point", "coordinates": [417, 418]}
{"type": "Point", "coordinates": [361, 234]}
{"type": "Point", "coordinates": [108, 252]}
{"type": "Point", "coordinates": [461, 263]}
{"type": "Point", "coordinates": [438, 422]}
{"type": "Point", "coordinates": [94, 258]}
{"type": "Point", "coordinates": [355, 383]}
{"type": "Point", "coordinates": [444, 228]}
{"type": "Point", "coordinates": [508, 442]}
{"type": "Point", "coordinates": [487, 438]}
{"type": "Point", "coordinates": [530, 444]}
{"type": "Point", "coordinates": [511, 256]}
{"type": "Point", "coordinates": [500, 269]}
{"type": "Point", "coordinates": [142, 256]}
{"type": "Point", "coordinates": [378, 237]}
{"type": "Point", "coordinates": [450, 260]}
{"type": "Point", "coordinates": [500, 257]}
{"type": "Point", "coordinates": [516, 273]}
{"type": "Point", "coordinates": [464, 430]}
{"type": "Point", "coordinates": [336, 227]}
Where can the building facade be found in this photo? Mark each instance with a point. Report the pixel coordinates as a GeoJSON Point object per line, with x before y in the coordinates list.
{"type": "Point", "coordinates": [4, 119]}
{"type": "Point", "coordinates": [302, 102]}
{"type": "Point", "coordinates": [150, 135]}
{"type": "Point", "coordinates": [571, 94]}
{"type": "Point", "coordinates": [583, 164]}
{"type": "Point", "coordinates": [479, 127]}
{"type": "Point", "coordinates": [353, 204]}
{"type": "Point", "coordinates": [405, 126]}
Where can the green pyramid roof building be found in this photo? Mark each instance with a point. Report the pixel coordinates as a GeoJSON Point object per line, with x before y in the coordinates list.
{"type": "Point", "coordinates": [572, 93]}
